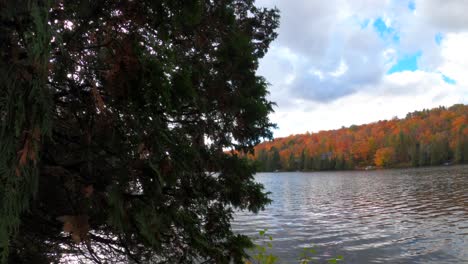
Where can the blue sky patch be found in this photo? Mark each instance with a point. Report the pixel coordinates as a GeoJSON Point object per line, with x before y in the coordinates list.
{"type": "Point", "coordinates": [438, 38]}
{"type": "Point", "coordinates": [381, 27]}
{"type": "Point", "coordinates": [412, 5]}
{"type": "Point", "coordinates": [448, 80]}
{"type": "Point", "coordinates": [406, 63]}
{"type": "Point", "coordinates": [385, 32]}
{"type": "Point", "coordinates": [364, 23]}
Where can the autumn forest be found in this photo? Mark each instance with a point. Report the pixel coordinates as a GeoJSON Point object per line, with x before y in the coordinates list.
{"type": "Point", "coordinates": [423, 138]}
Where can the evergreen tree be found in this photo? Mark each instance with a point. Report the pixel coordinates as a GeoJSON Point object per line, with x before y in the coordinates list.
{"type": "Point", "coordinates": [349, 164]}
{"type": "Point", "coordinates": [317, 163]}
{"type": "Point", "coordinates": [262, 160]}
{"type": "Point", "coordinates": [105, 107]}
{"type": "Point", "coordinates": [439, 151]}
{"type": "Point", "coordinates": [324, 163]}
{"type": "Point", "coordinates": [460, 153]}
{"type": "Point", "coordinates": [292, 165]}
{"type": "Point", "coordinates": [332, 163]}
{"type": "Point", "coordinates": [465, 150]}
{"type": "Point", "coordinates": [307, 161]}
{"type": "Point", "coordinates": [302, 159]}
{"type": "Point", "coordinates": [424, 155]}
{"type": "Point", "coordinates": [414, 155]}
{"type": "Point", "coordinates": [340, 163]}
{"type": "Point", "coordinates": [274, 163]}
{"type": "Point", "coordinates": [401, 148]}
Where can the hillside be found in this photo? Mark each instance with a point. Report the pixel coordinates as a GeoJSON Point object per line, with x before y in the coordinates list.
{"type": "Point", "coordinates": [428, 137]}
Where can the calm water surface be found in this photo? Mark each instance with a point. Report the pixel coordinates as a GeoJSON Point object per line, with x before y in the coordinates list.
{"type": "Point", "coordinates": [388, 216]}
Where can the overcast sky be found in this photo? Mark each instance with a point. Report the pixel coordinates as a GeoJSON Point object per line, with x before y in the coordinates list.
{"type": "Point", "coordinates": [338, 63]}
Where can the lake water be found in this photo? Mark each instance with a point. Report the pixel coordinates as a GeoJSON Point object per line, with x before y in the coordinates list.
{"type": "Point", "coordinates": [387, 216]}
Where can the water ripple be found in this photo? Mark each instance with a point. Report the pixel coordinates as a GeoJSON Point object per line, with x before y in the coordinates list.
{"type": "Point", "coordinates": [392, 216]}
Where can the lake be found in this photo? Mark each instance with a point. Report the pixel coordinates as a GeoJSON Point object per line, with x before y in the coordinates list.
{"type": "Point", "coordinates": [385, 216]}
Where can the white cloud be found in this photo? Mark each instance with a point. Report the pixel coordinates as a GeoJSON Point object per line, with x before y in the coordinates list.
{"type": "Point", "coordinates": [398, 94]}
{"type": "Point", "coordinates": [323, 50]}
{"type": "Point", "coordinates": [329, 66]}
{"type": "Point", "coordinates": [445, 15]}
{"type": "Point", "coordinates": [317, 73]}
{"type": "Point", "coordinates": [342, 69]}
{"type": "Point", "coordinates": [455, 58]}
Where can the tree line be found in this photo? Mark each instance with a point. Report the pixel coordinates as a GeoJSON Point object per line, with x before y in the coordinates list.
{"type": "Point", "coordinates": [423, 138]}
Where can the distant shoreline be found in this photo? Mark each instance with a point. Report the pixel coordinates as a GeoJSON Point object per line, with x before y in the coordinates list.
{"type": "Point", "coordinates": [372, 169]}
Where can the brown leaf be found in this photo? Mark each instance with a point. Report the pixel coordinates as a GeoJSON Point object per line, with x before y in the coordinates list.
{"type": "Point", "coordinates": [24, 153]}
{"type": "Point", "coordinates": [76, 225]}
{"type": "Point", "coordinates": [165, 166]}
{"type": "Point", "coordinates": [36, 134]}
{"type": "Point", "coordinates": [26, 75]}
{"type": "Point", "coordinates": [32, 157]}
{"type": "Point", "coordinates": [27, 152]}
{"type": "Point", "coordinates": [88, 191]}
{"type": "Point", "coordinates": [99, 101]}
{"type": "Point", "coordinates": [141, 147]}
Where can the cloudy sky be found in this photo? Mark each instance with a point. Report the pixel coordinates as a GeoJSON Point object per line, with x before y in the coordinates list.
{"type": "Point", "coordinates": [338, 63]}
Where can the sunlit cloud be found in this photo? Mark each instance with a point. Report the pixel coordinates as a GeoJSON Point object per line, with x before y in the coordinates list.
{"type": "Point", "coordinates": [337, 63]}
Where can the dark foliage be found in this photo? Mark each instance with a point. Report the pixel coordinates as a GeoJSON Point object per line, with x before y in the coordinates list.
{"type": "Point", "coordinates": [115, 116]}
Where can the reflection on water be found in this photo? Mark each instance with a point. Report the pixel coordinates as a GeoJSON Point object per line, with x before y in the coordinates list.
{"type": "Point", "coordinates": [391, 216]}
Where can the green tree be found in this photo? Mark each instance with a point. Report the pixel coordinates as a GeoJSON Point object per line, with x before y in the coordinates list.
{"type": "Point", "coordinates": [317, 162]}
{"type": "Point", "coordinates": [414, 154]}
{"type": "Point", "coordinates": [349, 163]}
{"type": "Point", "coordinates": [340, 163]}
{"type": "Point", "coordinates": [262, 160]}
{"type": "Point", "coordinates": [307, 161]}
{"type": "Point", "coordinates": [274, 160]}
{"type": "Point", "coordinates": [458, 152]}
{"type": "Point", "coordinates": [460, 148]}
{"type": "Point", "coordinates": [424, 159]}
{"type": "Point", "coordinates": [113, 116]}
{"type": "Point", "coordinates": [439, 150]}
{"type": "Point", "coordinates": [292, 164]}
{"type": "Point", "coordinates": [302, 160]}
{"type": "Point", "coordinates": [401, 148]}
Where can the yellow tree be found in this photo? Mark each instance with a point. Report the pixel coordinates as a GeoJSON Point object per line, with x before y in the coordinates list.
{"type": "Point", "coordinates": [384, 157]}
